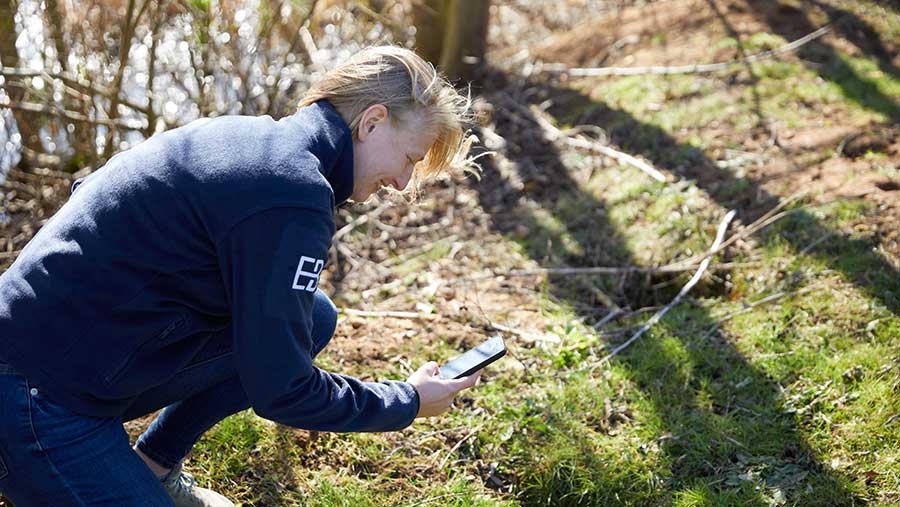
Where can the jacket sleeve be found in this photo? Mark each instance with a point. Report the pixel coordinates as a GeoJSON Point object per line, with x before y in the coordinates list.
{"type": "Point", "coordinates": [270, 264]}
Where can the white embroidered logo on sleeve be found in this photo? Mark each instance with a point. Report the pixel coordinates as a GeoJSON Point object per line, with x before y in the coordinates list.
{"type": "Point", "coordinates": [307, 276]}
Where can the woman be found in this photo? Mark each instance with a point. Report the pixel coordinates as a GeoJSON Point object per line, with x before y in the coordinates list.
{"type": "Point", "coordinates": [184, 274]}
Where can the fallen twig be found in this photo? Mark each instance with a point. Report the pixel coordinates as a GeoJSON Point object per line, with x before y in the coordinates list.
{"type": "Point", "coordinates": [750, 306]}
{"type": "Point", "coordinates": [391, 314]}
{"type": "Point", "coordinates": [679, 267]}
{"type": "Point", "coordinates": [770, 217]}
{"type": "Point", "coordinates": [810, 247]}
{"type": "Point", "coordinates": [607, 318]}
{"type": "Point", "coordinates": [351, 257]}
{"type": "Point", "coordinates": [580, 142]}
{"type": "Point", "coordinates": [689, 69]}
{"type": "Point", "coordinates": [393, 229]}
{"type": "Point", "coordinates": [605, 270]}
{"type": "Point", "coordinates": [41, 172]}
{"type": "Point", "coordinates": [532, 337]}
{"type": "Point", "coordinates": [759, 302]}
{"type": "Point", "coordinates": [343, 231]}
{"type": "Point", "coordinates": [556, 135]}
{"type": "Point", "coordinates": [458, 444]}
{"type": "Point", "coordinates": [624, 158]}
{"type": "Point", "coordinates": [720, 234]}
{"type": "Point", "coordinates": [360, 220]}
{"type": "Point", "coordinates": [20, 187]}
{"type": "Point", "coordinates": [417, 251]}
{"type": "Point", "coordinates": [891, 419]}
{"type": "Point", "coordinates": [393, 284]}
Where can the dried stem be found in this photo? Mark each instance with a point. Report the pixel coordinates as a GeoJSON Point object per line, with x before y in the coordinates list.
{"type": "Point", "coordinates": [391, 314]}
{"type": "Point", "coordinates": [689, 69]}
{"type": "Point", "coordinates": [555, 135]}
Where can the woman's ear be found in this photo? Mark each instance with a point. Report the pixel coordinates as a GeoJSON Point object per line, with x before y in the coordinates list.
{"type": "Point", "coordinates": [372, 117]}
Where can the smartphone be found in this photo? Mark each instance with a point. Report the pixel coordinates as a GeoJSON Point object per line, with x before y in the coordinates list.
{"type": "Point", "coordinates": [474, 360]}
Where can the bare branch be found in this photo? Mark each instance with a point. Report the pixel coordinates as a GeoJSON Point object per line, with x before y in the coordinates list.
{"type": "Point", "coordinates": [73, 81]}
{"type": "Point", "coordinates": [750, 306]}
{"type": "Point", "coordinates": [360, 220]}
{"type": "Point", "coordinates": [69, 115]}
{"type": "Point", "coordinates": [602, 270]}
{"type": "Point", "coordinates": [608, 270]}
{"type": "Point", "coordinates": [772, 216]}
{"type": "Point", "coordinates": [124, 50]}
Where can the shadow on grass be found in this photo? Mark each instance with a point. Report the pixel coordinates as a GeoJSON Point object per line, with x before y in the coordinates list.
{"type": "Point", "coordinates": [723, 419]}
{"type": "Point", "coordinates": [791, 23]}
{"type": "Point", "coordinates": [856, 258]}
{"type": "Point", "coordinates": [748, 66]}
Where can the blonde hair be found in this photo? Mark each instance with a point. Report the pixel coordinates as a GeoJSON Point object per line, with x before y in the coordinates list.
{"type": "Point", "coordinates": [404, 83]}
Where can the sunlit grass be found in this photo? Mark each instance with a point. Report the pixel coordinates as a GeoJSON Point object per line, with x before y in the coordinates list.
{"type": "Point", "coordinates": [723, 403]}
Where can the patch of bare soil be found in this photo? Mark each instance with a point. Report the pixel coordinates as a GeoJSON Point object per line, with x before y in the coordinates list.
{"type": "Point", "coordinates": [670, 32]}
{"type": "Point", "coordinates": [435, 259]}
{"type": "Point", "coordinates": [853, 172]}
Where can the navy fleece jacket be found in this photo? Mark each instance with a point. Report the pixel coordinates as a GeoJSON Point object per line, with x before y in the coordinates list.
{"type": "Point", "coordinates": [222, 222]}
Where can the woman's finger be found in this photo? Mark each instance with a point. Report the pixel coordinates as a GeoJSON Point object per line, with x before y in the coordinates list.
{"type": "Point", "coordinates": [466, 382]}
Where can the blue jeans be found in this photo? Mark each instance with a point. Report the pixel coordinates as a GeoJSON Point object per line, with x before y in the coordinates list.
{"type": "Point", "coordinates": [50, 456]}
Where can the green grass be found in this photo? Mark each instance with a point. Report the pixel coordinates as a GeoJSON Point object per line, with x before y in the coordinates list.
{"type": "Point", "coordinates": [786, 405]}
{"type": "Point", "coordinates": [720, 404]}
{"type": "Point", "coordinates": [792, 92]}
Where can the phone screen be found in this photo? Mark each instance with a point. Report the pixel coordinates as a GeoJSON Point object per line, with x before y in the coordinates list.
{"type": "Point", "coordinates": [475, 359]}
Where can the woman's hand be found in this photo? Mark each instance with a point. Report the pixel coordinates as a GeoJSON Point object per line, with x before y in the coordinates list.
{"type": "Point", "coordinates": [435, 393]}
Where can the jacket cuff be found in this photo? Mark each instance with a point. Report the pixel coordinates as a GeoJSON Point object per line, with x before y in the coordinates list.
{"type": "Point", "coordinates": [409, 404]}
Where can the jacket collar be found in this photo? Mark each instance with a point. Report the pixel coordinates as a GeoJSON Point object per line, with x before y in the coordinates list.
{"type": "Point", "coordinates": [332, 143]}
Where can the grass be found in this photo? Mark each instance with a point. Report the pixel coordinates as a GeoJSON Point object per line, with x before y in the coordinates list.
{"type": "Point", "coordinates": [721, 404]}
{"type": "Point", "coordinates": [787, 405]}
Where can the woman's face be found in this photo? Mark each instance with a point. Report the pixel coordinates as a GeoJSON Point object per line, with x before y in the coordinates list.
{"type": "Point", "coordinates": [385, 155]}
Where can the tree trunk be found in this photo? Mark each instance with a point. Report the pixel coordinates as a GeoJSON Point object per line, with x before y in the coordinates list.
{"type": "Point", "coordinates": [465, 38]}
{"type": "Point", "coordinates": [429, 18]}
{"type": "Point", "coordinates": [452, 34]}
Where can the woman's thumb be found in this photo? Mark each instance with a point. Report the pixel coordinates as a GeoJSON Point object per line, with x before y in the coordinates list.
{"type": "Point", "coordinates": [431, 368]}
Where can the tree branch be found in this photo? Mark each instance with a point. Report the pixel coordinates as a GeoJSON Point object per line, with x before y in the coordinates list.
{"type": "Point", "coordinates": [69, 115]}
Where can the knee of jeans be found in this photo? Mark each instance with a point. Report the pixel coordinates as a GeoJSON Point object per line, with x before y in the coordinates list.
{"type": "Point", "coordinates": [325, 316]}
